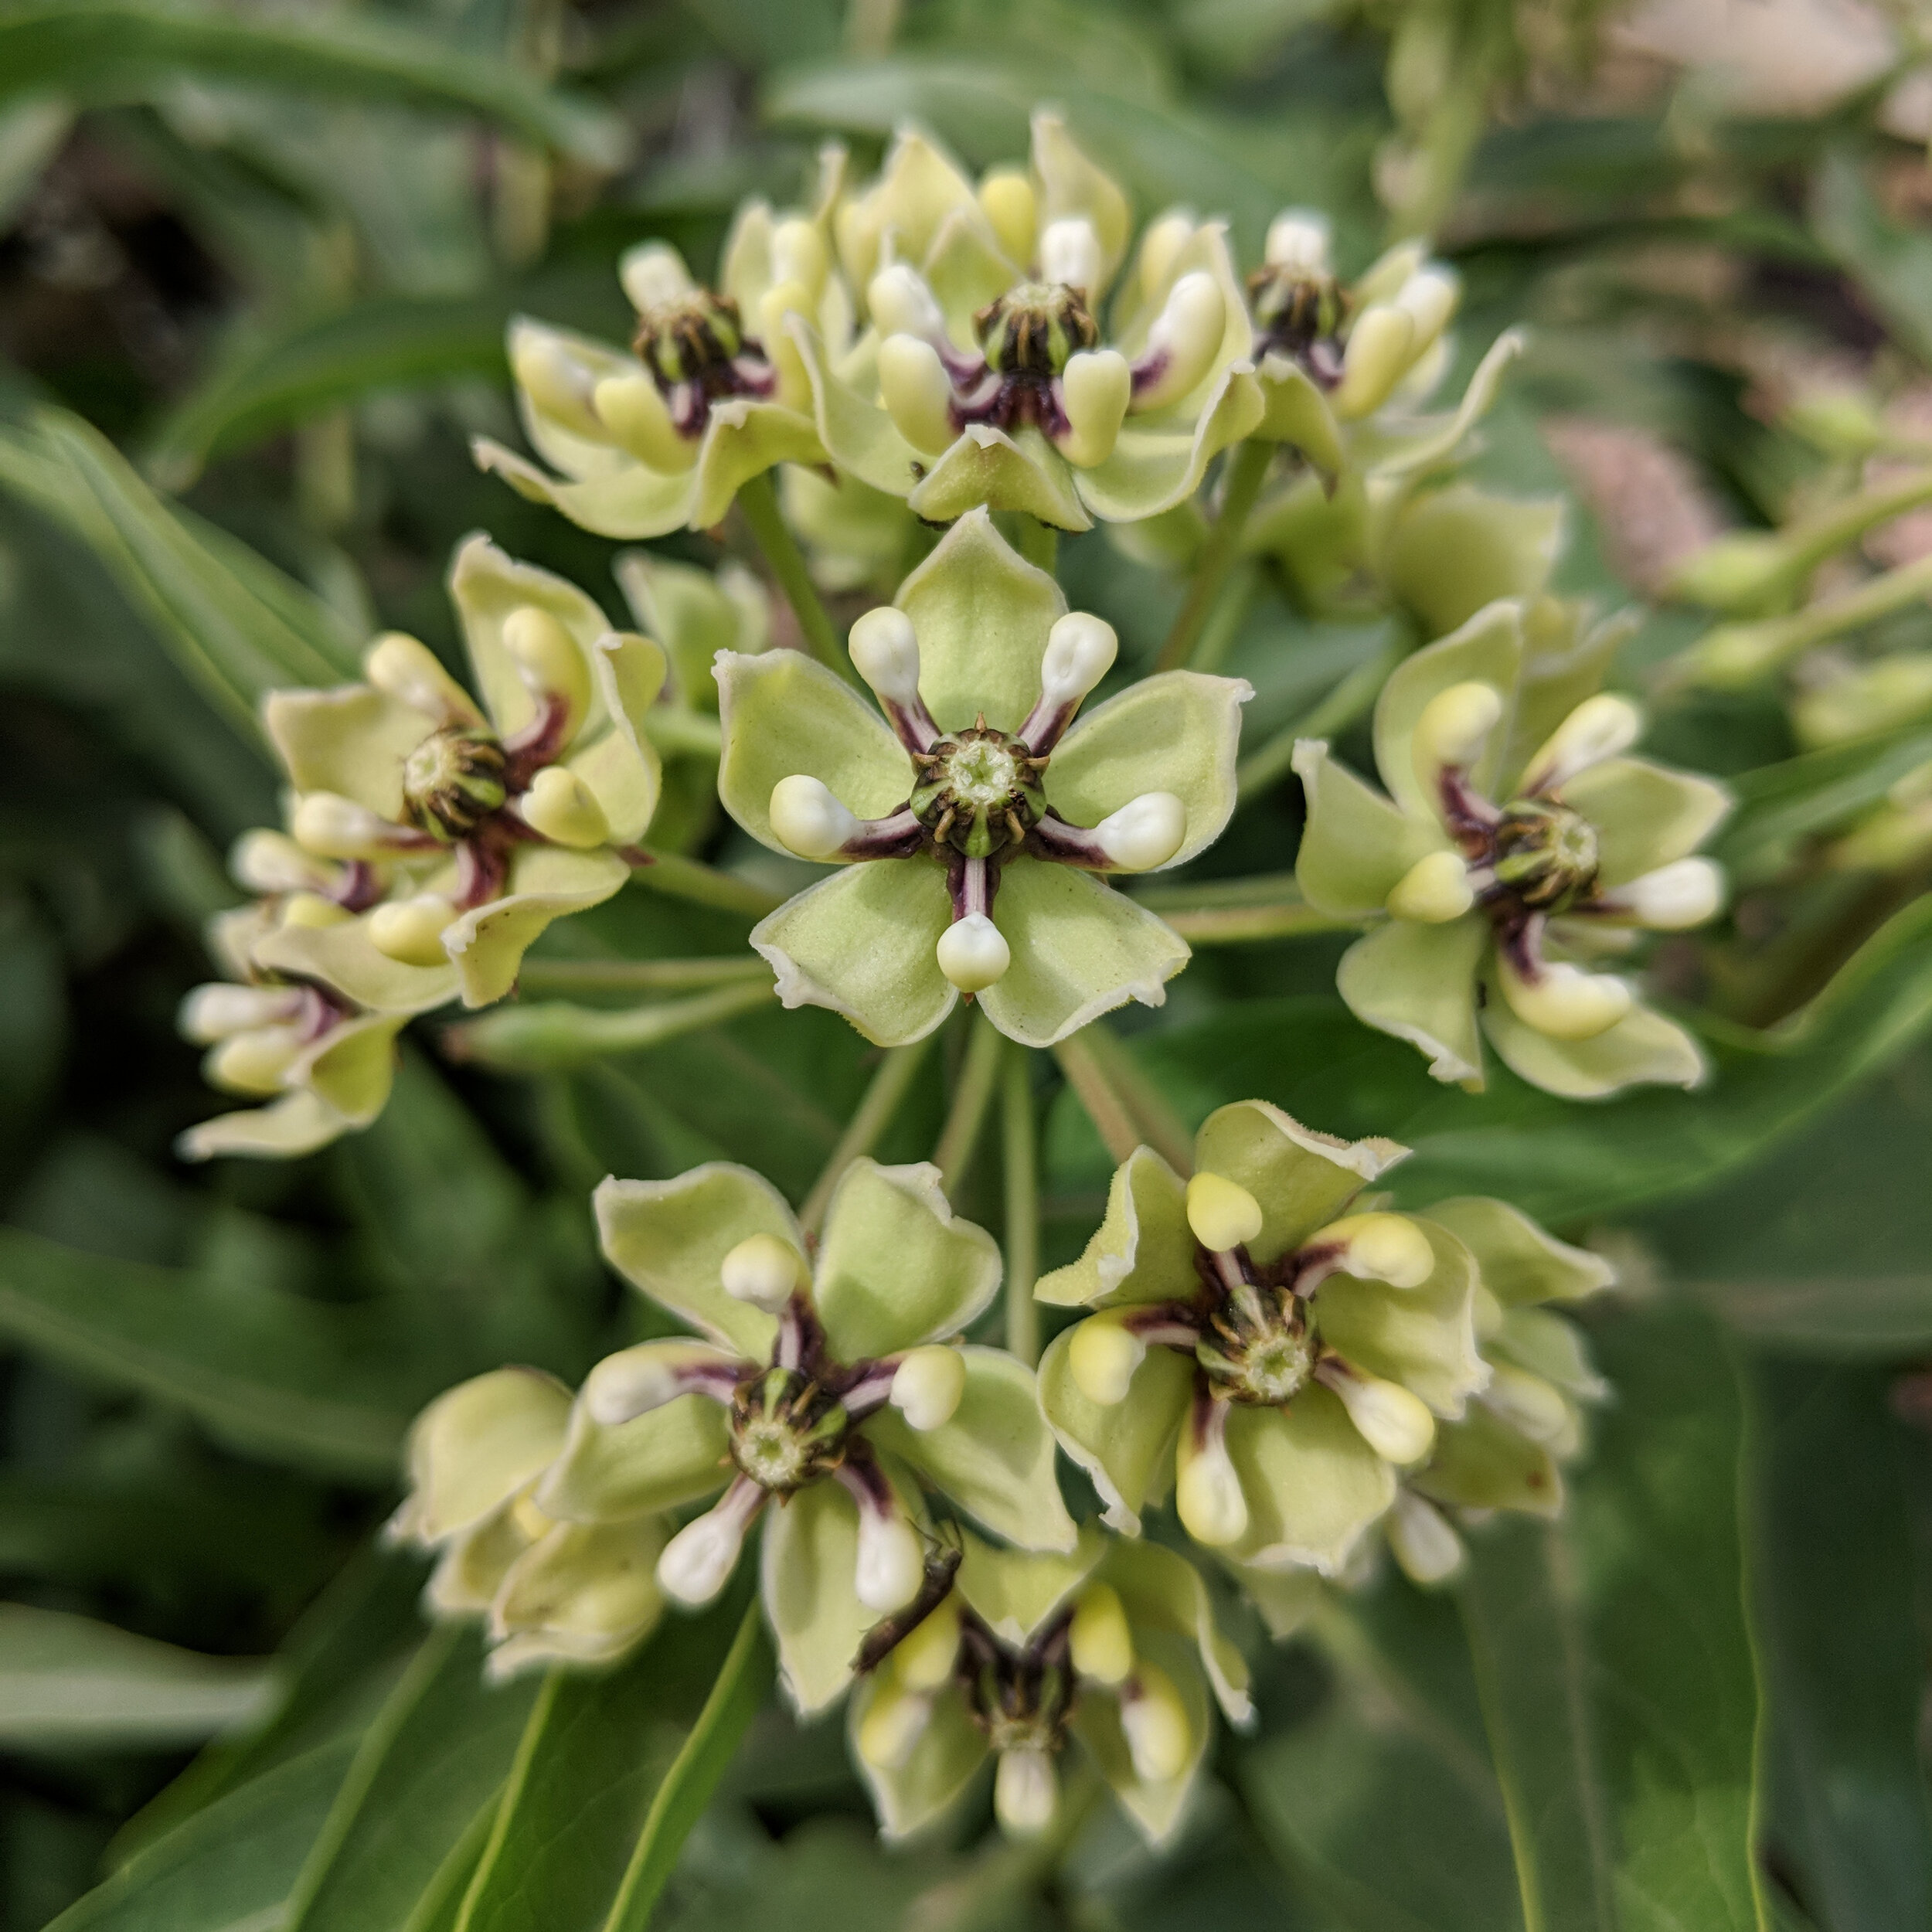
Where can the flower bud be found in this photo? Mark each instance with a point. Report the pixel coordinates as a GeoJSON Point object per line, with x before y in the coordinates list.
{"type": "Point", "coordinates": [924, 1657]}
{"type": "Point", "coordinates": [563, 809]}
{"type": "Point", "coordinates": [410, 930]}
{"type": "Point", "coordinates": [547, 659]}
{"type": "Point", "coordinates": [1006, 198]}
{"type": "Point", "coordinates": [338, 827]}
{"type": "Point", "coordinates": [1429, 298]}
{"type": "Point", "coordinates": [1600, 727]}
{"type": "Point", "coordinates": [1298, 238]}
{"type": "Point", "coordinates": [409, 671]}
{"type": "Point", "coordinates": [1738, 571]}
{"type": "Point", "coordinates": [973, 953]}
{"type": "Point", "coordinates": [1146, 831]}
{"type": "Point", "coordinates": [1452, 727]}
{"type": "Point", "coordinates": [1222, 1212]}
{"type": "Point", "coordinates": [1070, 253]}
{"type": "Point", "coordinates": [900, 303]}
{"type": "Point", "coordinates": [653, 273]}
{"type": "Point", "coordinates": [1379, 351]}
{"type": "Point", "coordinates": [1026, 1792]}
{"type": "Point", "coordinates": [1527, 1402]}
{"type": "Point", "coordinates": [1675, 897]}
{"type": "Point", "coordinates": [884, 652]}
{"type": "Point", "coordinates": [918, 396]}
{"type": "Point", "coordinates": [1563, 1000]}
{"type": "Point", "coordinates": [632, 408]}
{"type": "Point", "coordinates": [1434, 890]}
{"type": "Point", "coordinates": [1155, 1721]}
{"type": "Point", "coordinates": [1161, 248]}
{"type": "Point", "coordinates": [558, 385]}
{"type": "Point", "coordinates": [1096, 387]}
{"type": "Point", "coordinates": [1103, 1356]}
{"type": "Point", "coordinates": [1428, 1550]}
{"type": "Point", "coordinates": [213, 1012]}
{"type": "Point", "coordinates": [1184, 340]}
{"type": "Point", "coordinates": [763, 1270]}
{"type": "Point", "coordinates": [1395, 1424]}
{"type": "Point", "coordinates": [312, 911]}
{"type": "Point", "coordinates": [927, 1385]}
{"type": "Point", "coordinates": [1383, 1247]}
{"type": "Point", "coordinates": [806, 819]}
{"type": "Point", "coordinates": [254, 1063]}
{"type": "Point", "coordinates": [1081, 650]}
{"type": "Point", "coordinates": [1099, 1640]}
{"type": "Point", "coordinates": [891, 1565]}
{"type": "Point", "coordinates": [799, 254]}
{"type": "Point", "coordinates": [1207, 1491]}
{"type": "Point", "coordinates": [697, 1561]}
{"type": "Point", "coordinates": [270, 862]}
{"type": "Point", "coordinates": [892, 1728]}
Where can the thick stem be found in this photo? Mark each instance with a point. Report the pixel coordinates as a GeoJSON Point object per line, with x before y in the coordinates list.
{"type": "Point", "coordinates": [1247, 467]}
{"type": "Point", "coordinates": [1159, 1125]}
{"type": "Point", "coordinates": [959, 1139]}
{"type": "Point", "coordinates": [1021, 1148]}
{"type": "Point", "coordinates": [542, 1038]}
{"type": "Point", "coordinates": [1233, 911]}
{"type": "Point", "coordinates": [1106, 1109]}
{"type": "Point", "coordinates": [638, 976]}
{"type": "Point", "coordinates": [1225, 621]}
{"type": "Point", "coordinates": [889, 1086]}
{"type": "Point", "coordinates": [759, 502]}
{"type": "Point", "coordinates": [678, 877]}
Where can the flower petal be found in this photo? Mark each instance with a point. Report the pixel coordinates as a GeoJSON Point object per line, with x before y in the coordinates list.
{"type": "Point", "coordinates": [1643, 1049]}
{"type": "Point", "coordinates": [1161, 1590]}
{"type": "Point", "coordinates": [1013, 1592]}
{"type": "Point", "coordinates": [810, 1557]}
{"type": "Point", "coordinates": [742, 440]}
{"type": "Point", "coordinates": [981, 614]}
{"type": "Point", "coordinates": [626, 503]}
{"type": "Point", "coordinates": [1454, 550]}
{"type": "Point", "coordinates": [1178, 731]}
{"type": "Point", "coordinates": [987, 468]}
{"type": "Point", "coordinates": [340, 955]}
{"type": "Point", "coordinates": [995, 1458]}
{"type": "Point", "coordinates": [1481, 1463]}
{"type": "Point", "coordinates": [1565, 658]}
{"type": "Point", "coordinates": [475, 1446]}
{"type": "Point", "coordinates": [949, 1751]}
{"type": "Point", "coordinates": [1071, 184]}
{"type": "Point", "coordinates": [1127, 1448]}
{"type": "Point", "coordinates": [781, 714]}
{"type": "Point", "coordinates": [1157, 1809]}
{"type": "Point", "coordinates": [1152, 468]}
{"type": "Point", "coordinates": [966, 268]}
{"type": "Point", "coordinates": [297, 1123]}
{"type": "Point", "coordinates": [1547, 1345]}
{"type": "Point", "coordinates": [351, 1069]}
{"type": "Point", "coordinates": [1080, 949]}
{"type": "Point", "coordinates": [546, 882]}
{"type": "Point", "coordinates": [472, 1566]}
{"type": "Point", "coordinates": [1313, 1486]}
{"type": "Point", "coordinates": [1356, 845]}
{"type": "Point", "coordinates": [1284, 1599]}
{"type": "Point", "coordinates": [564, 448]}
{"type": "Point", "coordinates": [668, 1240]}
{"type": "Point", "coordinates": [1645, 815]}
{"type": "Point", "coordinates": [665, 1457]}
{"type": "Point", "coordinates": [1301, 1179]}
{"type": "Point", "coordinates": [896, 1267]}
{"type": "Point", "coordinates": [1518, 1262]}
{"type": "Point", "coordinates": [352, 740]}
{"type": "Point", "coordinates": [1423, 1338]}
{"type": "Point", "coordinates": [862, 943]}
{"type": "Point", "coordinates": [584, 1594]}
{"type": "Point", "coordinates": [861, 438]}
{"type": "Point", "coordinates": [1487, 650]}
{"type": "Point", "coordinates": [1294, 411]}
{"type": "Point", "coordinates": [1393, 448]}
{"type": "Point", "coordinates": [1142, 1250]}
{"type": "Point", "coordinates": [1205, 250]}
{"type": "Point", "coordinates": [1419, 983]}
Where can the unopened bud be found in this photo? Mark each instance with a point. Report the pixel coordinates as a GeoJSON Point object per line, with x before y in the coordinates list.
{"type": "Point", "coordinates": [1675, 897]}
{"type": "Point", "coordinates": [564, 809]}
{"type": "Point", "coordinates": [547, 658]}
{"type": "Point", "coordinates": [338, 827]}
{"type": "Point", "coordinates": [409, 671]}
{"type": "Point", "coordinates": [1146, 831]}
{"type": "Point", "coordinates": [1222, 1212]}
{"type": "Point", "coordinates": [764, 1271]}
{"type": "Point", "coordinates": [1026, 1792]}
{"type": "Point", "coordinates": [1378, 352]}
{"type": "Point", "coordinates": [1429, 298]}
{"type": "Point", "coordinates": [1154, 1720]}
{"type": "Point", "coordinates": [1452, 727]}
{"type": "Point", "coordinates": [1099, 1640]}
{"type": "Point", "coordinates": [254, 1062]}
{"type": "Point", "coordinates": [927, 1386]}
{"type": "Point", "coordinates": [1394, 1423]}
{"type": "Point", "coordinates": [1600, 727]}
{"type": "Point", "coordinates": [1738, 571]}
{"type": "Point", "coordinates": [892, 1727]}
{"type": "Point", "coordinates": [1080, 651]}
{"type": "Point", "coordinates": [1103, 1356]}
{"type": "Point", "coordinates": [270, 862]}
{"type": "Point", "coordinates": [1007, 199]}
{"type": "Point", "coordinates": [891, 1565]}
{"type": "Point", "coordinates": [1207, 1491]}
{"type": "Point", "coordinates": [213, 1012]}
{"type": "Point", "coordinates": [1562, 1000]}
{"type": "Point", "coordinates": [884, 652]}
{"type": "Point", "coordinates": [806, 819]}
{"type": "Point", "coordinates": [1298, 238]}
{"type": "Point", "coordinates": [1070, 253]}
{"type": "Point", "coordinates": [1096, 387]}
{"type": "Point", "coordinates": [1383, 1247]}
{"type": "Point", "coordinates": [631, 409]}
{"type": "Point", "coordinates": [1161, 248]}
{"type": "Point", "coordinates": [654, 273]}
{"type": "Point", "coordinates": [1527, 1402]}
{"type": "Point", "coordinates": [913, 386]}
{"type": "Point", "coordinates": [900, 303]}
{"type": "Point", "coordinates": [410, 930]}
{"type": "Point", "coordinates": [559, 384]}
{"type": "Point", "coordinates": [973, 953]}
{"type": "Point", "coordinates": [1184, 340]}
{"type": "Point", "coordinates": [1434, 890]}
{"type": "Point", "coordinates": [1428, 1550]}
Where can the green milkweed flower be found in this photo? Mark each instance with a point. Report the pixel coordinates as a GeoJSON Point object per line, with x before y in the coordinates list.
{"type": "Point", "coordinates": [1115, 1645]}
{"type": "Point", "coordinates": [824, 1395]}
{"type": "Point", "coordinates": [505, 815]}
{"type": "Point", "coordinates": [1275, 1353]}
{"type": "Point", "coordinates": [969, 828]}
{"type": "Point", "coordinates": [1516, 843]}
{"type": "Point", "coordinates": [549, 1592]}
{"type": "Point", "coordinates": [985, 376]}
{"type": "Point", "coordinates": [710, 394]}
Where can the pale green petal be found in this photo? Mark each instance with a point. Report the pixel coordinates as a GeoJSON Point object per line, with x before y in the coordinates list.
{"type": "Point", "coordinates": [1645, 815]}
{"type": "Point", "coordinates": [585, 1594]}
{"type": "Point", "coordinates": [809, 1556]}
{"type": "Point", "coordinates": [1519, 1262]}
{"type": "Point", "coordinates": [351, 1069]}
{"type": "Point", "coordinates": [622, 773]}
{"type": "Point", "coordinates": [297, 1123]}
{"type": "Point", "coordinates": [743, 439]}
{"type": "Point", "coordinates": [1643, 1049]}
{"type": "Point", "coordinates": [896, 1267]}
{"type": "Point", "coordinates": [475, 1446]}
{"type": "Point", "coordinates": [918, 187]}
{"type": "Point", "coordinates": [1565, 661]}
{"type": "Point", "coordinates": [546, 882]}
{"type": "Point", "coordinates": [564, 448]}
{"type": "Point", "coordinates": [472, 1566]}
{"type": "Point", "coordinates": [656, 1461]}
{"type": "Point", "coordinates": [691, 617]}
{"type": "Point", "coordinates": [668, 1240]}
{"type": "Point", "coordinates": [745, 271]}
{"type": "Point", "coordinates": [1301, 1179]}
{"type": "Point", "coordinates": [1155, 467]}
{"type": "Point", "coordinates": [986, 467]}
{"type": "Point", "coordinates": [1127, 1448]}
{"type": "Point", "coordinates": [1285, 1599]}
{"type": "Point", "coordinates": [995, 1458]}
{"type": "Point", "coordinates": [1178, 731]}
{"type": "Point", "coordinates": [781, 714]}
{"type": "Point", "coordinates": [1142, 1250]}
{"type": "Point", "coordinates": [1080, 949]}
{"type": "Point", "coordinates": [1391, 447]}
{"type": "Point", "coordinates": [1456, 549]}
{"type": "Point", "coordinates": [1313, 1486]}
{"type": "Point", "coordinates": [1161, 1590]}
{"type": "Point", "coordinates": [1481, 1463]}
{"type": "Point", "coordinates": [1419, 983]}
{"type": "Point", "coordinates": [352, 740]}
{"type": "Point", "coordinates": [1357, 845]}
{"type": "Point", "coordinates": [1487, 650]}
{"type": "Point", "coordinates": [1070, 184]}
{"type": "Point", "coordinates": [340, 955]}
{"type": "Point", "coordinates": [626, 503]}
{"type": "Point", "coordinates": [981, 614]}
{"type": "Point", "coordinates": [1423, 1338]}
{"type": "Point", "coordinates": [1547, 1344]}
{"type": "Point", "coordinates": [1295, 412]}
{"type": "Point", "coordinates": [1156, 1809]}
{"type": "Point", "coordinates": [965, 269]}
{"type": "Point", "coordinates": [862, 439]}
{"type": "Point", "coordinates": [949, 1751]}
{"type": "Point", "coordinates": [862, 943]}
{"type": "Point", "coordinates": [1013, 1592]}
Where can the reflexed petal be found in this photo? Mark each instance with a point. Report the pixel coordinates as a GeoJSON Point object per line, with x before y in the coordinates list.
{"type": "Point", "coordinates": [1547, 1345]}
{"type": "Point", "coordinates": [473, 1565]}
{"type": "Point", "coordinates": [1357, 844]}
{"type": "Point", "coordinates": [809, 1556]}
{"type": "Point", "coordinates": [1519, 1262]}
{"type": "Point", "coordinates": [1395, 448]}
{"type": "Point", "coordinates": [742, 440]}
{"type": "Point", "coordinates": [781, 715]}
{"type": "Point", "coordinates": [1300, 1178]}
{"type": "Point", "coordinates": [1013, 1592]}
{"type": "Point", "coordinates": [341, 957]}
{"type": "Point", "coordinates": [1178, 731]}
{"type": "Point", "coordinates": [626, 503]}
{"type": "Point", "coordinates": [1487, 650]}
{"type": "Point", "coordinates": [352, 1067]}
{"type": "Point", "coordinates": [1423, 1338]}
{"type": "Point", "coordinates": [1285, 1599]}
{"type": "Point", "coordinates": [545, 883]}
{"type": "Point", "coordinates": [919, 186]}
{"type": "Point", "coordinates": [1161, 1590]}
{"type": "Point", "coordinates": [1481, 1463]}
{"type": "Point", "coordinates": [1142, 1250]}
{"type": "Point", "coordinates": [1313, 1486]}
{"type": "Point", "coordinates": [995, 1458]}
{"type": "Point", "coordinates": [1153, 469]}
{"type": "Point", "coordinates": [1294, 410]}
{"type": "Point", "coordinates": [657, 1461]}
{"type": "Point", "coordinates": [1643, 1049]}
{"type": "Point", "coordinates": [1072, 184]}
{"type": "Point", "coordinates": [982, 614]}
{"type": "Point", "coordinates": [622, 772]}
{"type": "Point", "coordinates": [352, 740]}
{"type": "Point", "coordinates": [1127, 1448]}
{"type": "Point", "coordinates": [564, 448]}
{"type": "Point", "coordinates": [894, 1267]}
{"type": "Point", "coordinates": [950, 1750]}
{"type": "Point", "coordinates": [668, 1240]}
{"type": "Point", "coordinates": [1157, 1809]}
{"type": "Point", "coordinates": [966, 269]}
{"type": "Point", "coordinates": [1645, 815]}
{"type": "Point", "coordinates": [988, 468]}
{"type": "Point", "coordinates": [474, 1446]}
{"type": "Point", "coordinates": [860, 437]}
{"type": "Point", "coordinates": [1419, 983]}
{"type": "Point", "coordinates": [1080, 949]}
{"type": "Point", "coordinates": [585, 1594]}
{"type": "Point", "coordinates": [862, 943]}
{"type": "Point", "coordinates": [297, 1123]}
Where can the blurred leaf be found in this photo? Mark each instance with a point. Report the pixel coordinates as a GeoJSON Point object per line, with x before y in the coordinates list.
{"type": "Point", "coordinates": [1892, 265]}
{"type": "Point", "coordinates": [67, 1682]}
{"type": "Point", "coordinates": [33, 1018]}
{"type": "Point", "coordinates": [104, 50]}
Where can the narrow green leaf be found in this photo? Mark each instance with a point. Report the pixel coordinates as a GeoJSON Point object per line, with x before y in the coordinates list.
{"type": "Point", "coordinates": [1892, 264]}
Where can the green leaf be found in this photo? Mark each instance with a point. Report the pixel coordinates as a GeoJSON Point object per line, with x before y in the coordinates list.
{"type": "Point", "coordinates": [105, 50]}
{"type": "Point", "coordinates": [67, 1682]}
{"type": "Point", "coordinates": [1892, 265]}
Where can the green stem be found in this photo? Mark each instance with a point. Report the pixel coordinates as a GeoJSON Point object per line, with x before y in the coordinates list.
{"type": "Point", "coordinates": [1021, 1147]}
{"type": "Point", "coordinates": [1262, 769]}
{"type": "Point", "coordinates": [959, 1139]}
{"type": "Point", "coordinates": [1225, 621]}
{"type": "Point", "coordinates": [1247, 467]}
{"type": "Point", "coordinates": [675, 728]}
{"type": "Point", "coordinates": [759, 502]}
{"type": "Point", "coordinates": [889, 1086]}
{"type": "Point", "coordinates": [542, 1038]}
{"type": "Point", "coordinates": [1249, 925]}
{"type": "Point", "coordinates": [678, 877]}
{"type": "Point", "coordinates": [1039, 543]}
{"type": "Point", "coordinates": [1113, 1119]}
{"type": "Point", "coordinates": [1155, 1118]}
{"type": "Point", "coordinates": [638, 976]}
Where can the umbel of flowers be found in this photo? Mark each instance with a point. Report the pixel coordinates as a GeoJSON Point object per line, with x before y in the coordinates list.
{"type": "Point", "coordinates": [1517, 848]}
{"type": "Point", "coordinates": [1014, 1655]}
{"type": "Point", "coordinates": [973, 827]}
